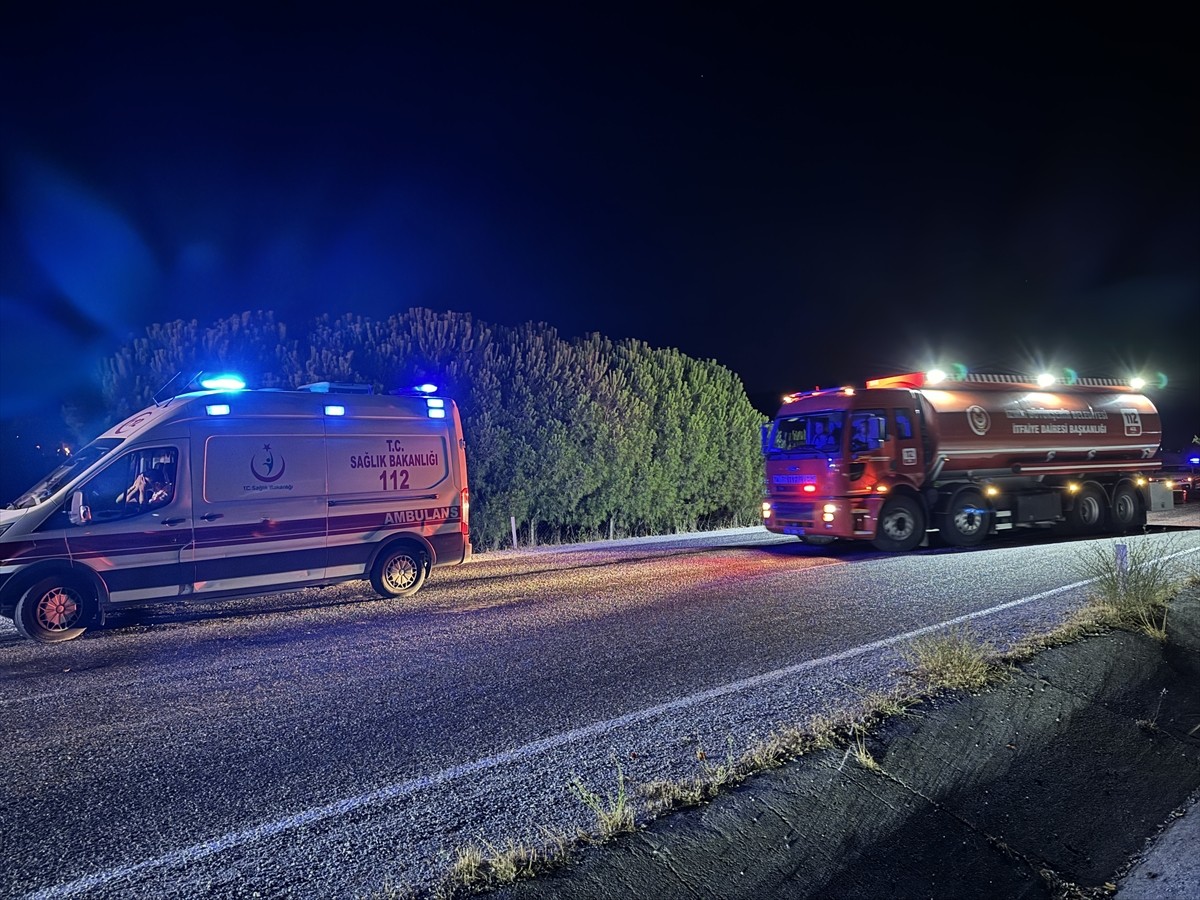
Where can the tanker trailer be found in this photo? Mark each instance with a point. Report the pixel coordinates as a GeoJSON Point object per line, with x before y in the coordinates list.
{"type": "Point", "coordinates": [966, 456]}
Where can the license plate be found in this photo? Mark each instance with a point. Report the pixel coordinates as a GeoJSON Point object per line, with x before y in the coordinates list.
{"type": "Point", "coordinates": [792, 529]}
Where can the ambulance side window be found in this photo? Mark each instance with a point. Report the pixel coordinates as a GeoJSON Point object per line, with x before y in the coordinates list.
{"type": "Point", "coordinates": [134, 484]}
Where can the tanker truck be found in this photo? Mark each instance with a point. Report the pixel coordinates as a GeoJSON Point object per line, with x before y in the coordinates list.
{"type": "Point", "coordinates": [966, 456]}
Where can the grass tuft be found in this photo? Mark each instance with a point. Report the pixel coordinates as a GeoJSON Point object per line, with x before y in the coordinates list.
{"type": "Point", "coordinates": [614, 812]}
{"type": "Point", "coordinates": [863, 756]}
{"type": "Point", "coordinates": [1133, 583]}
{"type": "Point", "coordinates": [953, 660]}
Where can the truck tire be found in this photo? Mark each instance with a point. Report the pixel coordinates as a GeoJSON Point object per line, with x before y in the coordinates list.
{"type": "Point", "coordinates": [55, 608]}
{"type": "Point", "coordinates": [400, 571]}
{"type": "Point", "coordinates": [967, 519]}
{"type": "Point", "coordinates": [901, 525]}
{"type": "Point", "coordinates": [1128, 512]}
{"type": "Point", "coordinates": [1089, 513]}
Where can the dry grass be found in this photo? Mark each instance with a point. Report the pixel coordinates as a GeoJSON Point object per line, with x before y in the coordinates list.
{"type": "Point", "coordinates": [863, 756]}
{"type": "Point", "coordinates": [614, 812]}
{"type": "Point", "coordinates": [953, 660]}
{"type": "Point", "coordinates": [1133, 584]}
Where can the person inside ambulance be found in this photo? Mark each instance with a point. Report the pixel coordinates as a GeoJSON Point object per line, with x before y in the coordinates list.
{"type": "Point", "coordinates": [149, 489]}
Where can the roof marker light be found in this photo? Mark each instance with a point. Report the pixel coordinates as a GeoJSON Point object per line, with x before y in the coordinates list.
{"type": "Point", "coordinates": [435, 402]}
{"type": "Point", "coordinates": [437, 413]}
{"type": "Point", "coordinates": [1137, 383]}
{"type": "Point", "coordinates": [223, 383]}
{"type": "Point", "coordinates": [1046, 379]}
{"type": "Point", "coordinates": [426, 388]}
{"type": "Point", "coordinates": [217, 409]}
{"type": "Point", "coordinates": [335, 410]}
{"type": "Point", "coordinates": [935, 376]}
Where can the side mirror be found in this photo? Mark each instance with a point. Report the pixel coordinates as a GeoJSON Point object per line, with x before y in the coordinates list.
{"type": "Point", "coordinates": [79, 514]}
{"type": "Point", "coordinates": [766, 431]}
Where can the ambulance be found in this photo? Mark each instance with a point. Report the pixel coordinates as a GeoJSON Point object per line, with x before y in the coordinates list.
{"type": "Point", "coordinates": [225, 492]}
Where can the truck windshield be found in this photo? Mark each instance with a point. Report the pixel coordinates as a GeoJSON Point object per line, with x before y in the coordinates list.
{"type": "Point", "coordinates": [816, 434]}
{"type": "Point", "coordinates": [77, 463]}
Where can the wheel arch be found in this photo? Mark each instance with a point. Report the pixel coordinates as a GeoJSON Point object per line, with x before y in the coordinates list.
{"type": "Point", "coordinates": [22, 580]}
{"type": "Point", "coordinates": [397, 540]}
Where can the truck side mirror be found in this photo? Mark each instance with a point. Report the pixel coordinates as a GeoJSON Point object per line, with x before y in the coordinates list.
{"type": "Point", "coordinates": [79, 514]}
{"type": "Point", "coordinates": [766, 431]}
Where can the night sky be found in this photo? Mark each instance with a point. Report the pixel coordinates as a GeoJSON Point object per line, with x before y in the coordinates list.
{"type": "Point", "coordinates": [808, 198]}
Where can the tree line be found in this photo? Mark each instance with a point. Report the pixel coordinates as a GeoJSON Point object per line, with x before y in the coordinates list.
{"type": "Point", "coordinates": [575, 439]}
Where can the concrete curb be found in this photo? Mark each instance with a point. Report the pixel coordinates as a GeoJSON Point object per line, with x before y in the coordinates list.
{"type": "Point", "coordinates": [1047, 785]}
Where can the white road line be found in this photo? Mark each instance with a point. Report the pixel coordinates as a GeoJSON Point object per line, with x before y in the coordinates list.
{"type": "Point", "coordinates": [402, 789]}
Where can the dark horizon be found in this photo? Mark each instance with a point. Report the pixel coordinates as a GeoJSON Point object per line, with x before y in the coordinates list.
{"type": "Point", "coordinates": [806, 198]}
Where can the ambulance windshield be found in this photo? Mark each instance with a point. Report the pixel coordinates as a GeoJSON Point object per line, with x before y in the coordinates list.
{"type": "Point", "coordinates": [77, 463]}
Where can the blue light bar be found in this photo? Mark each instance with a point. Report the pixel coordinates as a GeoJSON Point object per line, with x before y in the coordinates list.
{"type": "Point", "coordinates": [223, 383]}
{"type": "Point", "coordinates": [426, 388]}
{"type": "Point", "coordinates": [335, 410]}
{"type": "Point", "coordinates": [217, 409]}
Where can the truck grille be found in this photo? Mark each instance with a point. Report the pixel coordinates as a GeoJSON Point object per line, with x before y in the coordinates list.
{"type": "Point", "coordinates": [801, 513]}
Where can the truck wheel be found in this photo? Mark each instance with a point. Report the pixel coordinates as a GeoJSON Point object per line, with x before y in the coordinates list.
{"type": "Point", "coordinates": [400, 571]}
{"type": "Point", "coordinates": [56, 608]}
{"type": "Point", "coordinates": [901, 525]}
{"type": "Point", "coordinates": [1128, 513]}
{"type": "Point", "coordinates": [1089, 513]}
{"type": "Point", "coordinates": [967, 519]}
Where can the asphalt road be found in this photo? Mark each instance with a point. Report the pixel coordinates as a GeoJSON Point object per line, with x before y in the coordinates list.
{"type": "Point", "coordinates": [328, 744]}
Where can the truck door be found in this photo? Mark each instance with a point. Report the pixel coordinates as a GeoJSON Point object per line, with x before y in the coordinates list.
{"type": "Point", "coordinates": [259, 504]}
{"type": "Point", "coordinates": [135, 528]}
{"type": "Point", "coordinates": [907, 459]}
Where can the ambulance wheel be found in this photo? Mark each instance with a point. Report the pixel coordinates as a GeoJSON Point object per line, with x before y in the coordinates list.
{"type": "Point", "coordinates": [1089, 513]}
{"type": "Point", "coordinates": [965, 521]}
{"type": "Point", "coordinates": [400, 571]}
{"type": "Point", "coordinates": [901, 525]}
{"type": "Point", "coordinates": [1128, 513]}
{"type": "Point", "coordinates": [56, 608]}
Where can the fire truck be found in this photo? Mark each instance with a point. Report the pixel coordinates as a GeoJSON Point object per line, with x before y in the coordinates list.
{"type": "Point", "coordinates": [966, 455]}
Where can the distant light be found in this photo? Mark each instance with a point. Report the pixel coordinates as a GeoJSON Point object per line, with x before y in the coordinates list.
{"type": "Point", "coordinates": [426, 388]}
{"type": "Point", "coordinates": [1137, 383]}
{"type": "Point", "coordinates": [881, 488]}
{"type": "Point", "coordinates": [437, 414]}
{"type": "Point", "coordinates": [1195, 460]}
{"type": "Point", "coordinates": [935, 376]}
{"type": "Point", "coordinates": [217, 409]}
{"type": "Point", "coordinates": [223, 383]}
{"type": "Point", "coordinates": [848, 391]}
{"type": "Point", "coordinates": [435, 402]}
{"type": "Point", "coordinates": [335, 410]}
{"type": "Point", "coordinates": [1046, 379]}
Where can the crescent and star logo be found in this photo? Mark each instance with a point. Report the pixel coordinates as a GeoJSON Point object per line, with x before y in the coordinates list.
{"type": "Point", "coordinates": [265, 461]}
{"type": "Point", "coordinates": [979, 420]}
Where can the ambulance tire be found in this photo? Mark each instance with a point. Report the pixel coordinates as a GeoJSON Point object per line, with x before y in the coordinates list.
{"type": "Point", "coordinates": [55, 608]}
{"type": "Point", "coordinates": [901, 525]}
{"type": "Point", "coordinates": [1089, 513]}
{"type": "Point", "coordinates": [1128, 512]}
{"type": "Point", "coordinates": [967, 519]}
{"type": "Point", "coordinates": [400, 570]}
